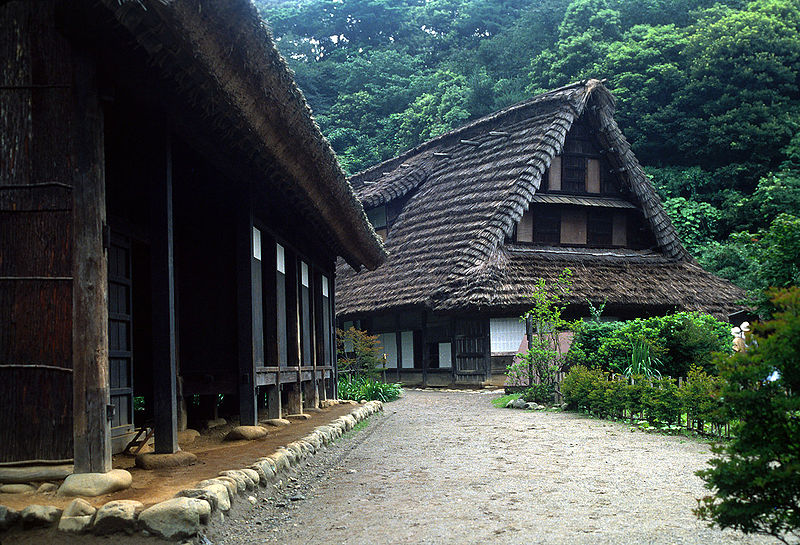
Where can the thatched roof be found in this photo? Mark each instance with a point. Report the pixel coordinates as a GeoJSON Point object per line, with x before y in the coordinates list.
{"type": "Point", "coordinates": [219, 57]}
{"type": "Point", "coordinates": [467, 189]}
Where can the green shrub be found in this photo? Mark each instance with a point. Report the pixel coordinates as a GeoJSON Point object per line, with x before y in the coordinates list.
{"type": "Point", "coordinates": [662, 404]}
{"type": "Point", "coordinates": [579, 384]}
{"type": "Point", "coordinates": [755, 479]}
{"type": "Point", "coordinates": [701, 397]}
{"type": "Point", "coordinates": [637, 390]}
{"type": "Point", "coordinates": [673, 343]}
{"type": "Point", "coordinates": [358, 388]}
{"type": "Point", "coordinates": [539, 393]}
{"type": "Point", "coordinates": [615, 397]}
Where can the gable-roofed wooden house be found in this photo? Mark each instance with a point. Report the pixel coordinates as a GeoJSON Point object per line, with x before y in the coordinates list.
{"type": "Point", "coordinates": [170, 217]}
{"type": "Point", "coordinates": [473, 218]}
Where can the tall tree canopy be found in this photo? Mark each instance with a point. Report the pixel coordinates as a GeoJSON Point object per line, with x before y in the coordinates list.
{"type": "Point", "coordinates": [708, 91]}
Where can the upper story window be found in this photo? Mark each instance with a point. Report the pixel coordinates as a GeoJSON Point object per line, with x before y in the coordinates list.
{"type": "Point", "coordinates": [593, 227]}
{"type": "Point", "coordinates": [579, 174]}
{"type": "Point", "coordinates": [581, 169]}
{"type": "Point", "coordinates": [377, 217]}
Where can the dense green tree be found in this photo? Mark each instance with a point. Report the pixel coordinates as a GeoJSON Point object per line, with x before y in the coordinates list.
{"type": "Point", "coordinates": [708, 92]}
{"type": "Point", "coordinates": [755, 479]}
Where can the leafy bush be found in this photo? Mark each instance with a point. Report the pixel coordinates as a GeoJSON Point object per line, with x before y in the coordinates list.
{"type": "Point", "coordinates": [358, 388]}
{"type": "Point", "coordinates": [539, 393]}
{"type": "Point", "coordinates": [358, 353]}
{"type": "Point", "coordinates": [544, 359]}
{"type": "Point", "coordinates": [661, 402]}
{"type": "Point", "coordinates": [673, 344]}
{"type": "Point", "coordinates": [755, 478]}
{"type": "Point", "coordinates": [701, 395]}
{"type": "Point", "coordinates": [658, 400]}
{"type": "Point", "coordinates": [578, 386]}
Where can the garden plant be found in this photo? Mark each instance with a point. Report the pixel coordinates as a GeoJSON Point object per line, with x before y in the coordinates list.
{"type": "Point", "coordinates": [755, 478]}
{"type": "Point", "coordinates": [360, 365]}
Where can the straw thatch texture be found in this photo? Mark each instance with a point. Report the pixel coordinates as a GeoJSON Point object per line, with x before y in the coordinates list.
{"type": "Point", "coordinates": [220, 60]}
{"type": "Point", "coordinates": [467, 189]}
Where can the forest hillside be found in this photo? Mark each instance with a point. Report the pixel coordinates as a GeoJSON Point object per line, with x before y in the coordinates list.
{"type": "Point", "coordinates": [708, 95]}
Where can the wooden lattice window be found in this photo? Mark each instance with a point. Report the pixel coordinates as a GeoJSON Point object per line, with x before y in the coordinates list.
{"type": "Point", "coordinates": [573, 174]}
{"type": "Point", "coordinates": [547, 226]}
{"type": "Point", "coordinates": [600, 228]}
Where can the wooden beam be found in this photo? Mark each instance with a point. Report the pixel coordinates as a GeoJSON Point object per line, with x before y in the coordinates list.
{"type": "Point", "coordinates": [274, 400]}
{"type": "Point", "coordinates": [333, 382]}
{"type": "Point", "coordinates": [426, 356]}
{"type": "Point", "coordinates": [248, 408]}
{"type": "Point", "coordinates": [162, 274]}
{"type": "Point", "coordinates": [487, 344]}
{"type": "Point", "coordinates": [91, 399]}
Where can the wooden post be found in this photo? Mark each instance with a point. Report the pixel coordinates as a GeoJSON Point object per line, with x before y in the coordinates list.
{"type": "Point", "coordinates": [398, 341]}
{"type": "Point", "coordinates": [163, 304]}
{"type": "Point", "coordinates": [333, 383]}
{"type": "Point", "coordinates": [310, 394]}
{"type": "Point", "coordinates": [487, 349]}
{"type": "Point", "coordinates": [294, 403]}
{"type": "Point", "coordinates": [274, 401]}
{"type": "Point", "coordinates": [91, 398]}
{"type": "Point", "coordinates": [426, 356]}
{"type": "Point", "coordinates": [248, 409]}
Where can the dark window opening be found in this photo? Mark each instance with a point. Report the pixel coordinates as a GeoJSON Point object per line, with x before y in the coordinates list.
{"type": "Point", "coordinates": [547, 226]}
{"type": "Point", "coordinates": [573, 174]}
{"type": "Point", "coordinates": [600, 229]}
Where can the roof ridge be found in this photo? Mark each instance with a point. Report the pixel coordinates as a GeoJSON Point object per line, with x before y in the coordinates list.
{"type": "Point", "coordinates": [392, 163]}
{"type": "Point", "coordinates": [509, 211]}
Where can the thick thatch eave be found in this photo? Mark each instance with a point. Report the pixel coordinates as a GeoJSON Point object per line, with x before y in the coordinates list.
{"type": "Point", "coordinates": [223, 60]}
{"type": "Point", "coordinates": [468, 189]}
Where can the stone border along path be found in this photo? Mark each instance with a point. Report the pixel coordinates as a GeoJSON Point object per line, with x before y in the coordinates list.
{"type": "Point", "coordinates": [184, 515]}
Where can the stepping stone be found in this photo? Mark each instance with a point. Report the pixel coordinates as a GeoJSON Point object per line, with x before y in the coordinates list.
{"type": "Point", "coordinates": [276, 422]}
{"type": "Point", "coordinates": [151, 460]}
{"type": "Point", "coordinates": [301, 416]}
{"type": "Point", "coordinates": [248, 433]}
{"type": "Point", "coordinates": [95, 484]}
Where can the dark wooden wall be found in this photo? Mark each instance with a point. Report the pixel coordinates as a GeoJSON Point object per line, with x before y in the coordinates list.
{"type": "Point", "coordinates": [35, 235]}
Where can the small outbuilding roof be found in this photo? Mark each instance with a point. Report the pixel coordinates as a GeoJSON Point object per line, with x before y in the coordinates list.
{"type": "Point", "coordinates": [466, 190]}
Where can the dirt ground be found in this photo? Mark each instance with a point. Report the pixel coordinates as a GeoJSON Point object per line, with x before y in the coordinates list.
{"type": "Point", "coordinates": [442, 467]}
{"type": "Point", "coordinates": [447, 467]}
{"type": "Point", "coordinates": [213, 456]}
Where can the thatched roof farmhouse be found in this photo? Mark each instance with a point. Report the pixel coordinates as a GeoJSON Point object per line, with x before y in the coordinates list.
{"type": "Point", "coordinates": [170, 219]}
{"type": "Point", "coordinates": [473, 218]}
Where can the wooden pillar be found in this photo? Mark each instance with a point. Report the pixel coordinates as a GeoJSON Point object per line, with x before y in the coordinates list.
{"type": "Point", "coordinates": [245, 285]}
{"type": "Point", "coordinates": [487, 348]}
{"type": "Point", "coordinates": [398, 341]}
{"type": "Point", "coordinates": [426, 356]}
{"type": "Point", "coordinates": [453, 352]}
{"type": "Point", "coordinates": [164, 327]}
{"type": "Point", "coordinates": [274, 401]}
{"type": "Point", "coordinates": [294, 403]}
{"type": "Point", "coordinates": [322, 388]}
{"type": "Point", "coordinates": [310, 394]}
{"type": "Point", "coordinates": [333, 382]}
{"type": "Point", "coordinates": [91, 397]}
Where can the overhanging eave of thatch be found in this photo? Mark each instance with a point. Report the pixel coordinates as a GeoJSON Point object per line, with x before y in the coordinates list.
{"type": "Point", "coordinates": [468, 189]}
{"type": "Point", "coordinates": [226, 51]}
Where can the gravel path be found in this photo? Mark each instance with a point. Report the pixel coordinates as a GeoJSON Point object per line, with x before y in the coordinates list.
{"type": "Point", "coordinates": [447, 467]}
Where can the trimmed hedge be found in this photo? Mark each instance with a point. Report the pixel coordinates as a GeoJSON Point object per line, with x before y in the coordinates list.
{"type": "Point", "coordinates": [659, 401]}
